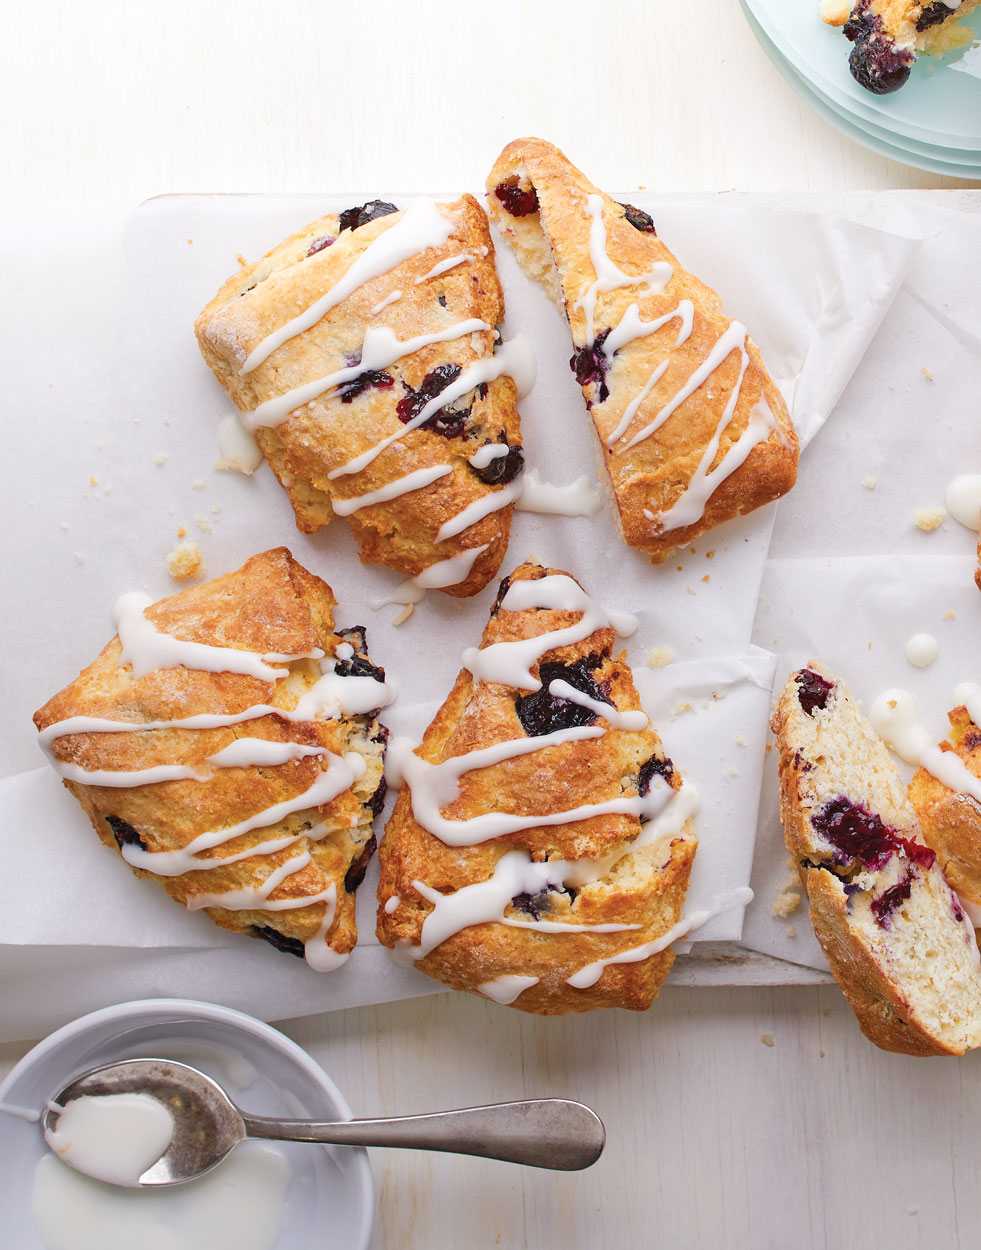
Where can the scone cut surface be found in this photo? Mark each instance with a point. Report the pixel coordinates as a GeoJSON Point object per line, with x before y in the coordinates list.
{"type": "Point", "coordinates": [535, 839]}
{"type": "Point", "coordinates": [254, 766]}
{"type": "Point", "coordinates": [692, 429]}
{"type": "Point", "coordinates": [895, 935]}
{"type": "Point", "coordinates": [403, 307]}
{"type": "Point", "coordinates": [887, 36]}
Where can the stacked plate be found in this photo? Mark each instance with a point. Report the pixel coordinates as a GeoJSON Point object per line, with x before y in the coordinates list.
{"type": "Point", "coordinates": [933, 121]}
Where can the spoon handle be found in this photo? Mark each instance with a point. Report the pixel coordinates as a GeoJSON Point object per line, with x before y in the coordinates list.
{"type": "Point", "coordinates": [541, 1133]}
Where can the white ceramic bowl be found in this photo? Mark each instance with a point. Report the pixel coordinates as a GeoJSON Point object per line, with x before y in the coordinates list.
{"type": "Point", "coordinates": [330, 1203]}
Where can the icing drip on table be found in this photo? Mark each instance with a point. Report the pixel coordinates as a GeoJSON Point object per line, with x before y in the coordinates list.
{"type": "Point", "coordinates": [578, 498]}
{"type": "Point", "coordinates": [421, 226]}
{"type": "Point", "coordinates": [894, 719]}
{"type": "Point", "coordinates": [963, 500]}
{"type": "Point", "coordinates": [608, 276]}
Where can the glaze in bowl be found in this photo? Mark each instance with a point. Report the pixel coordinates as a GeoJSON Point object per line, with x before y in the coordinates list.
{"type": "Point", "coordinates": [330, 1203]}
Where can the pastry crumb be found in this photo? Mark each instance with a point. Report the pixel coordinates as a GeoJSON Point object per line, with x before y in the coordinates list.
{"type": "Point", "coordinates": [65, 525]}
{"type": "Point", "coordinates": [202, 522]}
{"type": "Point", "coordinates": [820, 1054]}
{"type": "Point", "coordinates": [160, 458]}
{"type": "Point", "coordinates": [93, 481]}
{"type": "Point", "coordinates": [690, 591]}
{"type": "Point", "coordinates": [928, 519]}
{"type": "Point", "coordinates": [216, 508]}
{"type": "Point", "coordinates": [198, 484]}
{"type": "Point", "coordinates": [658, 657]}
{"type": "Point", "coordinates": [740, 740]}
{"type": "Point", "coordinates": [79, 558]}
{"type": "Point", "coordinates": [869, 482]}
{"type": "Point", "coordinates": [184, 561]}
{"type": "Point", "coordinates": [791, 931]}
{"type": "Point", "coordinates": [766, 1039]}
{"type": "Point", "coordinates": [181, 531]}
{"type": "Point", "coordinates": [707, 577]}
{"type": "Point", "coordinates": [927, 373]}
{"type": "Point", "coordinates": [950, 615]}
{"type": "Point", "coordinates": [99, 445]}
{"type": "Point", "coordinates": [710, 554]}
{"type": "Point", "coordinates": [682, 706]}
{"type": "Point", "coordinates": [404, 615]}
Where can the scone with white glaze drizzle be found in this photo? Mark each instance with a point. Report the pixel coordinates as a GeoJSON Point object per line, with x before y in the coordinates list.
{"type": "Point", "coordinates": [364, 353]}
{"type": "Point", "coordinates": [894, 933]}
{"type": "Point", "coordinates": [692, 429]}
{"type": "Point", "coordinates": [949, 805]}
{"type": "Point", "coordinates": [540, 848]}
{"type": "Point", "coordinates": [887, 36]}
{"type": "Point", "coordinates": [226, 742]}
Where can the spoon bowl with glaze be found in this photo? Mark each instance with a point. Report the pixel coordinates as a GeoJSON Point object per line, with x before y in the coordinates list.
{"type": "Point", "coordinates": [545, 1133]}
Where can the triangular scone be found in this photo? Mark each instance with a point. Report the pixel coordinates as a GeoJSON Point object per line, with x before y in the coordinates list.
{"type": "Point", "coordinates": [896, 938]}
{"type": "Point", "coordinates": [340, 340]}
{"type": "Point", "coordinates": [693, 430]}
{"type": "Point", "coordinates": [558, 917]}
{"type": "Point", "coordinates": [951, 818]}
{"type": "Point", "coordinates": [256, 716]}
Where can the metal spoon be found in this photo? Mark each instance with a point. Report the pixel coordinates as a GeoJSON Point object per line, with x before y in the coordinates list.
{"type": "Point", "coordinates": [542, 1133]}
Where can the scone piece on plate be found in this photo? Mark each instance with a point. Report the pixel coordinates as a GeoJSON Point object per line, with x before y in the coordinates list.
{"type": "Point", "coordinates": [896, 938]}
{"type": "Point", "coordinates": [226, 743]}
{"type": "Point", "coordinates": [692, 429]}
{"type": "Point", "coordinates": [951, 818]}
{"type": "Point", "coordinates": [364, 353]}
{"type": "Point", "coordinates": [540, 848]}
{"type": "Point", "coordinates": [888, 35]}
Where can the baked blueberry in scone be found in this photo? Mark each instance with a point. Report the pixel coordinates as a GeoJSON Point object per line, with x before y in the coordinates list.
{"type": "Point", "coordinates": [888, 35]}
{"type": "Point", "coordinates": [364, 353]}
{"type": "Point", "coordinates": [540, 848]}
{"type": "Point", "coordinates": [226, 742]}
{"type": "Point", "coordinates": [692, 429]}
{"type": "Point", "coordinates": [894, 933]}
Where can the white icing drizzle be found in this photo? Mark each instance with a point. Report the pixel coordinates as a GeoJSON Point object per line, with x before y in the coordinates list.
{"type": "Point", "coordinates": [608, 276]}
{"type": "Point", "coordinates": [630, 720]}
{"type": "Point", "coordinates": [510, 662]}
{"type": "Point", "coordinates": [393, 490]}
{"type": "Point", "coordinates": [256, 898]}
{"type": "Point", "coordinates": [392, 904]}
{"type": "Point", "coordinates": [237, 446]}
{"type": "Point", "coordinates": [443, 266]}
{"type": "Point", "coordinates": [578, 498]}
{"type": "Point", "coordinates": [318, 954]}
{"type": "Point", "coordinates": [380, 348]}
{"type": "Point", "coordinates": [483, 456]}
{"type": "Point", "coordinates": [591, 973]}
{"type": "Point", "coordinates": [632, 326]}
{"type": "Point", "coordinates": [242, 753]}
{"type": "Point", "coordinates": [514, 358]}
{"type": "Point", "coordinates": [340, 774]}
{"type": "Point", "coordinates": [421, 226]}
{"type": "Point", "coordinates": [894, 719]}
{"type": "Point", "coordinates": [450, 571]}
{"type": "Point", "coordinates": [922, 650]}
{"type": "Point", "coordinates": [689, 507]}
{"type": "Point", "coordinates": [391, 298]}
{"type": "Point", "coordinates": [963, 500]}
{"type": "Point", "coordinates": [147, 648]}
{"type": "Point", "coordinates": [505, 989]}
{"type": "Point", "coordinates": [731, 340]}
{"type": "Point", "coordinates": [487, 504]}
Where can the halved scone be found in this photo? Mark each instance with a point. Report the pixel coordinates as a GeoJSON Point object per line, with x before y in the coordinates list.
{"type": "Point", "coordinates": [540, 848]}
{"type": "Point", "coordinates": [693, 430]}
{"type": "Point", "coordinates": [895, 935]}
{"type": "Point", "coordinates": [226, 743]}
{"type": "Point", "coordinates": [364, 353]}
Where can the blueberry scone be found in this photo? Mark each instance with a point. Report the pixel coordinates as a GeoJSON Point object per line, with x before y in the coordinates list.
{"type": "Point", "coordinates": [893, 931]}
{"type": "Point", "coordinates": [692, 429]}
{"type": "Point", "coordinates": [364, 353]}
{"type": "Point", "coordinates": [226, 742]}
{"type": "Point", "coordinates": [540, 848]}
{"type": "Point", "coordinates": [888, 35]}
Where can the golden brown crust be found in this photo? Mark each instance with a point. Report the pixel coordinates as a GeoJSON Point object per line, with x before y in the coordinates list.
{"type": "Point", "coordinates": [951, 821]}
{"type": "Point", "coordinates": [645, 888]}
{"type": "Point", "coordinates": [271, 605]}
{"type": "Point", "coordinates": [649, 478]}
{"type": "Point", "coordinates": [326, 433]}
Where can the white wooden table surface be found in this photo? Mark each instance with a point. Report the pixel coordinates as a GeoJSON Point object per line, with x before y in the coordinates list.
{"type": "Point", "coordinates": [715, 1138]}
